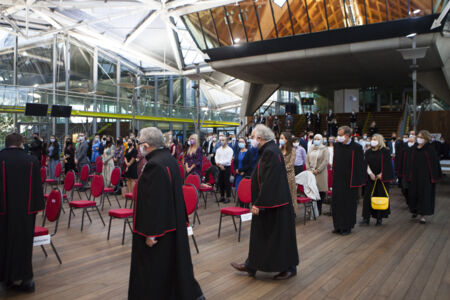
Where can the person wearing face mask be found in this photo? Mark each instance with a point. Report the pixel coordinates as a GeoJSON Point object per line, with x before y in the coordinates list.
{"type": "Point", "coordinates": [242, 162]}
{"type": "Point", "coordinates": [233, 144]}
{"type": "Point", "coordinates": [118, 153]}
{"type": "Point", "coordinates": [211, 152]}
{"type": "Point", "coordinates": [310, 141]}
{"type": "Point", "coordinates": [330, 118]}
{"type": "Point", "coordinates": [300, 156]}
{"type": "Point", "coordinates": [398, 163]}
{"type": "Point", "coordinates": [317, 162]}
{"type": "Point", "coordinates": [423, 172]}
{"type": "Point", "coordinates": [53, 156]}
{"type": "Point", "coordinates": [349, 173]}
{"type": "Point", "coordinates": [108, 161]}
{"type": "Point", "coordinates": [445, 149]}
{"type": "Point", "coordinates": [69, 156]}
{"type": "Point", "coordinates": [130, 158]}
{"type": "Point", "coordinates": [379, 170]}
{"type": "Point", "coordinates": [161, 264]}
{"type": "Point", "coordinates": [95, 148]}
{"type": "Point", "coordinates": [406, 158]}
{"type": "Point", "coordinates": [273, 242]}
{"type": "Point", "coordinates": [224, 156]}
{"type": "Point", "coordinates": [289, 154]}
{"type": "Point", "coordinates": [194, 157]}
{"type": "Point", "coordinates": [102, 145]}
{"type": "Point", "coordinates": [353, 119]}
{"type": "Point", "coordinates": [330, 146]}
{"type": "Point", "coordinates": [81, 158]}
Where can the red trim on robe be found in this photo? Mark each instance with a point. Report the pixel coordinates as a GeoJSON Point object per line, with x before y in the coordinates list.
{"type": "Point", "coordinates": [170, 175]}
{"type": "Point", "coordinates": [4, 189]}
{"type": "Point", "coordinates": [155, 236]}
{"type": "Point", "coordinates": [30, 191]}
{"type": "Point", "coordinates": [272, 206]}
{"type": "Point", "coordinates": [429, 168]}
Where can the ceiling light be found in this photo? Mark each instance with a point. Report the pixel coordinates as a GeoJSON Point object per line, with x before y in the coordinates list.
{"type": "Point", "coordinates": [237, 40]}
{"type": "Point", "coordinates": [411, 35]}
{"type": "Point", "coordinates": [415, 12]}
{"type": "Point", "coordinates": [280, 3]}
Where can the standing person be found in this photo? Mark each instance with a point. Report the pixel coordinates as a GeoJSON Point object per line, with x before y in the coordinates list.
{"type": "Point", "coordinates": [53, 156]}
{"type": "Point", "coordinates": [35, 147]}
{"type": "Point", "coordinates": [262, 119]}
{"type": "Point", "coordinates": [348, 175]}
{"type": "Point", "coordinates": [270, 121]}
{"type": "Point", "coordinates": [406, 160]}
{"type": "Point", "coordinates": [276, 125]}
{"type": "Point", "coordinates": [234, 145]}
{"type": "Point", "coordinates": [373, 128]}
{"type": "Point", "coordinates": [173, 148]}
{"type": "Point", "coordinates": [300, 156]}
{"type": "Point", "coordinates": [317, 162]}
{"type": "Point", "coordinates": [243, 162]}
{"type": "Point", "coordinates": [211, 152]}
{"type": "Point", "coordinates": [330, 146]}
{"type": "Point", "coordinates": [224, 155]}
{"type": "Point", "coordinates": [334, 127]}
{"type": "Point", "coordinates": [22, 198]}
{"type": "Point", "coordinates": [108, 162]}
{"type": "Point", "coordinates": [131, 173]}
{"type": "Point", "coordinates": [353, 119]}
{"type": "Point", "coordinates": [81, 158]}
{"type": "Point", "coordinates": [69, 156]}
{"type": "Point", "coordinates": [95, 149]}
{"type": "Point", "coordinates": [379, 169]}
{"type": "Point", "coordinates": [161, 265]}
{"type": "Point", "coordinates": [330, 118]}
{"type": "Point", "coordinates": [194, 158]}
{"type": "Point", "coordinates": [317, 122]}
{"type": "Point", "coordinates": [289, 154]}
{"type": "Point", "coordinates": [118, 153]}
{"type": "Point", "coordinates": [424, 172]}
{"type": "Point", "coordinates": [289, 122]}
{"type": "Point", "coordinates": [273, 242]}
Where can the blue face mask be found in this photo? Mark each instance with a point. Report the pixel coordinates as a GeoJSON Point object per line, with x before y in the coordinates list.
{"type": "Point", "coordinates": [241, 145]}
{"type": "Point", "coordinates": [325, 141]}
{"type": "Point", "coordinates": [317, 143]}
{"type": "Point", "coordinates": [281, 142]}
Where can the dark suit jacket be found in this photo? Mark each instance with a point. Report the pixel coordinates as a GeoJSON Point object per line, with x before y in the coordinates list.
{"type": "Point", "coordinates": [248, 162]}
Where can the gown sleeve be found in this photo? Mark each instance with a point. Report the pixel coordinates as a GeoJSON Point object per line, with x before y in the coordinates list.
{"type": "Point", "coordinates": [386, 166]}
{"type": "Point", "coordinates": [154, 212]}
{"type": "Point", "coordinates": [36, 194]}
{"type": "Point", "coordinates": [434, 166]}
{"type": "Point", "coordinates": [359, 168]}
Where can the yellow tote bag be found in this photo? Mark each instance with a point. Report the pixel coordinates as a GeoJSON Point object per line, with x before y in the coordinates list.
{"type": "Point", "coordinates": [379, 203]}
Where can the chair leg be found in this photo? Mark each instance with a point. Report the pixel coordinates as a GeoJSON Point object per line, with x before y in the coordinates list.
{"type": "Point", "coordinates": [129, 225]}
{"type": "Point", "coordinates": [198, 218]}
{"type": "Point", "coordinates": [89, 216]}
{"type": "Point", "coordinates": [70, 217]}
{"type": "Point", "coordinates": [123, 232]}
{"type": "Point", "coordinates": [234, 223]}
{"type": "Point", "coordinates": [195, 244]}
{"type": "Point", "coordinates": [56, 252]}
{"type": "Point", "coordinates": [204, 197]}
{"type": "Point", "coordinates": [109, 228]}
{"type": "Point", "coordinates": [304, 216]}
{"type": "Point", "coordinates": [43, 249]}
{"type": "Point", "coordinates": [217, 200]}
{"type": "Point", "coordinates": [240, 225]}
{"type": "Point", "coordinates": [82, 219]}
{"type": "Point", "coordinates": [100, 215]}
{"type": "Point", "coordinates": [79, 195]}
{"type": "Point", "coordinates": [117, 199]}
{"type": "Point", "coordinates": [220, 225]}
{"type": "Point", "coordinates": [107, 197]}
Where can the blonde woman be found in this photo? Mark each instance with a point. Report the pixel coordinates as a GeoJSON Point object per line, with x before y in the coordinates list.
{"type": "Point", "coordinates": [379, 169]}
{"type": "Point", "coordinates": [289, 154]}
{"type": "Point", "coordinates": [194, 156]}
{"type": "Point", "coordinates": [317, 162]}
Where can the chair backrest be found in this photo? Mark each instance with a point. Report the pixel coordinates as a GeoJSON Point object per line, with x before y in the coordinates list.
{"type": "Point", "coordinates": [53, 205]}
{"type": "Point", "coordinates": [190, 198]}
{"type": "Point", "coordinates": [193, 179]}
{"type": "Point", "coordinates": [69, 181]}
{"type": "Point", "coordinates": [84, 173]}
{"type": "Point", "coordinates": [205, 166]}
{"type": "Point", "coordinates": [181, 167]}
{"type": "Point", "coordinates": [245, 190]}
{"type": "Point", "coordinates": [115, 176]}
{"type": "Point", "coordinates": [98, 164]}
{"type": "Point", "coordinates": [43, 174]}
{"type": "Point", "coordinates": [300, 189]}
{"type": "Point", "coordinates": [97, 186]}
{"type": "Point", "coordinates": [58, 169]}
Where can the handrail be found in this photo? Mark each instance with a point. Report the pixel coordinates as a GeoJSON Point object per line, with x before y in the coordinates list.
{"type": "Point", "coordinates": [404, 119]}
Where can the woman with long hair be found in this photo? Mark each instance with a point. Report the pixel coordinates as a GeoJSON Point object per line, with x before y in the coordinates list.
{"type": "Point", "coordinates": [317, 162]}
{"type": "Point", "coordinates": [194, 156]}
{"type": "Point", "coordinates": [289, 158]}
{"type": "Point", "coordinates": [53, 156]}
{"type": "Point", "coordinates": [379, 170]}
{"type": "Point", "coordinates": [108, 161]}
{"type": "Point", "coordinates": [131, 173]}
{"type": "Point", "coordinates": [69, 155]}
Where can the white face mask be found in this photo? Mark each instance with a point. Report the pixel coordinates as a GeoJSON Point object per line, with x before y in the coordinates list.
{"type": "Point", "coordinates": [214, 139]}
{"type": "Point", "coordinates": [52, 140]}
{"type": "Point", "coordinates": [254, 143]}
{"type": "Point", "coordinates": [420, 141]}
{"type": "Point", "coordinates": [233, 139]}
{"type": "Point", "coordinates": [373, 143]}
{"type": "Point", "coordinates": [81, 138]}
{"type": "Point", "coordinates": [405, 140]}
{"type": "Point", "coordinates": [142, 149]}
{"type": "Point", "coordinates": [410, 144]}
{"type": "Point", "coordinates": [317, 142]}
{"type": "Point", "coordinates": [365, 137]}
{"type": "Point", "coordinates": [296, 144]}
{"type": "Point", "coordinates": [340, 138]}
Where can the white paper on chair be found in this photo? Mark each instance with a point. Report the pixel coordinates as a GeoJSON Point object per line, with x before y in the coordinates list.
{"type": "Point", "coordinates": [190, 231]}
{"type": "Point", "coordinates": [42, 240]}
{"type": "Point", "coordinates": [246, 217]}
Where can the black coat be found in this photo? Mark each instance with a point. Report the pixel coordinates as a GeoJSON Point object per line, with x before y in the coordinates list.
{"type": "Point", "coordinates": [247, 163]}
{"type": "Point", "coordinates": [273, 242]}
{"type": "Point", "coordinates": [35, 149]}
{"type": "Point", "coordinates": [165, 270]}
{"type": "Point", "coordinates": [21, 197]}
{"type": "Point", "coordinates": [55, 152]}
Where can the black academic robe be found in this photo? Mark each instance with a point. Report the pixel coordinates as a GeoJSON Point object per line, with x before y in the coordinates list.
{"type": "Point", "coordinates": [36, 149]}
{"type": "Point", "coordinates": [21, 197]}
{"type": "Point", "coordinates": [165, 270]}
{"type": "Point", "coordinates": [379, 162]}
{"type": "Point", "coordinates": [273, 242]}
{"type": "Point", "coordinates": [424, 171]}
{"type": "Point", "coordinates": [349, 173]}
{"type": "Point", "coordinates": [404, 169]}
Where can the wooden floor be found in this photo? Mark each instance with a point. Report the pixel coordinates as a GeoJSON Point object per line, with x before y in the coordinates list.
{"type": "Point", "coordinates": [399, 260]}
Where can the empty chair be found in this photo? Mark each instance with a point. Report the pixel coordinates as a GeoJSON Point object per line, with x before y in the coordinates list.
{"type": "Point", "coordinates": [190, 195]}
{"type": "Point", "coordinates": [43, 174]}
{"type": "Point", "coordinates": [58, 170]}
{"type": "Point", "coordinates": [307, 203]}
{"type": "Point", "coordinates": [181, 167]}
{"type": "Point", "coordinates": [84, 176]}
{"type": "Point", "coordinates": [193, 179]}
{"type": "Point", "coordinates": [115, 180]}
{"type": "Point", "coordinates": [123, 213]}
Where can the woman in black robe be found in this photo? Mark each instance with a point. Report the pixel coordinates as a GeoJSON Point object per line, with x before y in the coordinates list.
{"type": "Point", "coordinates": [379, 168]}
{"type": "Point", "coordinates": [424, 172]}
{"type": "Point", "coordinates": [406, 161]}
{"type": "Point", "coordinates": [273, 243]}
{"type": "Point", "coordinates": [161, 266]}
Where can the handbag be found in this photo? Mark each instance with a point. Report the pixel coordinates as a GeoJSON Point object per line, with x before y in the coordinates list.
{"type": "Point", "coordinates": [379, 203]}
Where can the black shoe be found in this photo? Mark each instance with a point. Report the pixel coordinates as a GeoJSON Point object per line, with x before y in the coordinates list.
{"type": "Point", "coordinates": [284, 275]}
{"type": "Point", "coordinates": [243, 268]}
{"type": "Point", "coordinates": [226, 201]}
{"type": "Point", "coordinates": [364, 222]}
{"type": "Point", "coordinates": [422, 221]}
{"type": "Point", "coordinates": [346, 232]}
{"type": "Point", "coordinates": [27, 286]}
{"type": "Point", "coordinates": [337, 231]}
{"type": "Point", "coordinates": [414, 216]}
{"type": "Point", "coordinates": [379, 222]}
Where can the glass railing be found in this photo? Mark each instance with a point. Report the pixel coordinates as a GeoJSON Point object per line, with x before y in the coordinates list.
{"type": "Point", "coordinates": [20, 95]}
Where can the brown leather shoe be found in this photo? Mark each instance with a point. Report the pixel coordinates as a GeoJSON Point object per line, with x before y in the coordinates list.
{"type": "Point", "coordinates": [284, 275]}
{"type": "Point", "coordinates": [242, 268]}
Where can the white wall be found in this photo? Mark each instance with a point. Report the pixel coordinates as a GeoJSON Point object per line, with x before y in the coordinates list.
{"type": "Point", "coordinates": [346, 100]}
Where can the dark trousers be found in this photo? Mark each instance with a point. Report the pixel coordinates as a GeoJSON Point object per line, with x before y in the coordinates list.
{"type": "Point", "coordinates": [224, 181]}
{"type": "Point", "coordinates": [319, 203]}
{"type": "Point", "coordinates": [299, 169]}
{"type": "Point", "coordinates": [292, 269]}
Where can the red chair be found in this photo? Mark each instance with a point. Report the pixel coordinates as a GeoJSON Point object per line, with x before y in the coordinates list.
{"type": "Point", "coordinates": [209, 189]}
{"type": "Point", "coordinates": [96, 191]}
{"type": "Point", "coordinates": [190, 195]}
{"type": "Point", "coordinates": [193, 179]}
{"type": "Point", "coordinates": [52, 212]}
{"type": "Point", "coordinates": [99, 165]}
{"type": "Point", "coordinates": [245, 196]}
{"type": "Point", "coordinates": [181, 167]}
{"type": "Point", "coordinates": [115, 180]}
{"type": "Point", "coordinates": [122, 213]}
{"type": "Point", "coordinates": [307, 203]}
{"type": "Point", "coordinates": [58, 170]}
{"type": "Point", "coordinates": [83, 178]}
{"type": "Point", "coordinates": [43, 175]}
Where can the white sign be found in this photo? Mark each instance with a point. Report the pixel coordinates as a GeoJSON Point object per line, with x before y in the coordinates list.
{"type": "Point", "coordinates": [190, 231]}
{"type": "Point", "coordinates": [41, 240]}
{"type": "Point", "coordinates": [246, 217]}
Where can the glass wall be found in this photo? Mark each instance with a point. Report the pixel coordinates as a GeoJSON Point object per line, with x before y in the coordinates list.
{"type": "Point", "coordinates": [253, 20]}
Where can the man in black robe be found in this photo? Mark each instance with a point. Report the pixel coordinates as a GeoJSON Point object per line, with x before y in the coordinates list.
{"type": "Point", "coordinates": [404, 167]}
{"type": "Point", "coordinates": [349, 173]}
{"type": "Point", "coordinates": [21, 197]}
{"type": "Point", "coordinates": [273, 243]}
{"type": "Point", "coordinates": [161, 266]}
{"type": "Point", "coordinates": [35, 147]}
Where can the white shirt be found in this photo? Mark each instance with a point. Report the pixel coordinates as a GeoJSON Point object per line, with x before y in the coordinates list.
{"type": "Point", "coordinates": [224, 156]}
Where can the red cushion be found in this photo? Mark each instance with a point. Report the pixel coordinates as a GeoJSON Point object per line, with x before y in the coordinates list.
{"type": "Point", "coordinates": [46, 196]}
{"type": "Point", "coordinates": [78, 185]}
{"type": "Point", "coordinates": [40, 231]}
{"type": "Point", "coordinates": [303, 200]}
{"type": "Point", "coordinates": [50, 180]}
{"type": "Point", "coordinates": [206, 189]}
{"type": "Point", "coordinates": [108, 190]}
{"type": "Point", "coordinates": [121, 213]}
{"type": "Point", "coordinates": [82, 203]}
{"type": "Point", "coordinates": [91, 175]}
{"type": "Point", "coordinates": [129, 196]}
{"type": "Point", "coordinates": [329, 193]}
{"type": "Point", "coordinates": [234, 211]}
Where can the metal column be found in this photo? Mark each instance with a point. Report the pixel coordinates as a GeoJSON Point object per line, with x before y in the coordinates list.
{"type": "Point", "coordinates": [197, 102]}
{"type": "Point", "coordinates": [171, 100]}
{"type": "Point", "coordinates": [118, 97]}
{"type": "Point", "coordinates": [67, 81]}
{"type": "Point", "coordinates": [414, 79]}
{"type": "Point", "coordinates": [94, 87]}
{"type": "Point", "coordinates": [16, 46]}
{"type": "Point", "coordinates": [137, 104]}
{"type": "Point", "coordinates": [54, 66]}
{"type": "Point", "coordinates": [156, 99]}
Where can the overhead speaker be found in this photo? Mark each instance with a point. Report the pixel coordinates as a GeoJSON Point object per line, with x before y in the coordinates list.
{"type": "Point", "coordinates": [36, 109]}
{"type": "Point", "coordinates": [61, 111]}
